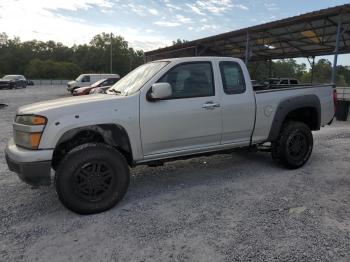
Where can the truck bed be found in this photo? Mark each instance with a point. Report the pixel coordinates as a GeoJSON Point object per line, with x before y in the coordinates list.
{"type": "Point", "coordinates": [267, 102]}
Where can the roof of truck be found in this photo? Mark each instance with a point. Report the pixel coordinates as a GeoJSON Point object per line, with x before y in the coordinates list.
{"type": "Point", "coordinates": [199, 58]}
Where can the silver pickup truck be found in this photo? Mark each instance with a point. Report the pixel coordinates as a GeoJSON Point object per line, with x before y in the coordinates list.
{"type": "Point", "coordinates": [161, 111]}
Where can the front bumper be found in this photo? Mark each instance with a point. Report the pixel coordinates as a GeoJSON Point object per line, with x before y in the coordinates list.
{"type": "Point", "coordinates": [5, 85]}
{"type": "Point", "coordinates": [32, 166]}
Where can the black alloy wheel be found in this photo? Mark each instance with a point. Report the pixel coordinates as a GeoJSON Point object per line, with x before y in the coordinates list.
{"type": "Point", "coordinates": [92, 178]}
{"type": "Point", "coordinates": [294, 145]}
{"type": "Point", "coordinates": [92, 181]}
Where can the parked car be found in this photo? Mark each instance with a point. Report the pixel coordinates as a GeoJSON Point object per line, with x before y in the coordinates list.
{"type": "Point", "coordinates": [106, 83]}
{"type": "Point", "coordinates": [30, 82]}
{"type": "Point", "coordinates": [161, 111]}
{"type": "Point", "coordinates": [99, 90]}
{"type": "Point", "coordinates": [86, 80]}
{"type": "Point", "coordinates": [281, 81]}
{"type": "Point", "coordinates": [13, 81]}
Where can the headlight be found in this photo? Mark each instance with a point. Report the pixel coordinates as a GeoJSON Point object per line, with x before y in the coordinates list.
{"type": "Point", "coordinates": [27, 130]}
{"type": "Point", "coordinates": [30, 120]}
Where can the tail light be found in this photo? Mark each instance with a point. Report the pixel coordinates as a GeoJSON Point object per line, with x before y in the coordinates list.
{"type": "Point", "coordinates": [335, 98]}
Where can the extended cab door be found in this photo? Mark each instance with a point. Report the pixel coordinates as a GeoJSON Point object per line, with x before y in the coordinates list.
{"type": "Point", "coordinates": [238, 103]}
{"type": "Point", "coordinates": [188, 120]}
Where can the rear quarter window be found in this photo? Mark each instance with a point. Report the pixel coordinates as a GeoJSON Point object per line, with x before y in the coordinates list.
{"type": "Point", "coordinates": [232, 78]}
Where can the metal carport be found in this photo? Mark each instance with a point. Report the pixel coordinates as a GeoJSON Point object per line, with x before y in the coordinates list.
{"type": "Point", "coordinates": [323, 32]}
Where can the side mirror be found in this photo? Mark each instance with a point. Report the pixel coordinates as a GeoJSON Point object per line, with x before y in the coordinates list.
{"type": "Point", "coordinates": [160, 91]}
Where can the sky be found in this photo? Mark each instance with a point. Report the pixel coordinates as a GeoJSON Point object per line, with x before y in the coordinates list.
{"type": "Point", "coordinates": [146, 25]}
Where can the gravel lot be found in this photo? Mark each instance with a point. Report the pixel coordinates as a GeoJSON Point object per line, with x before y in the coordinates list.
{"type": "Point", "coordinates": [236, 207]}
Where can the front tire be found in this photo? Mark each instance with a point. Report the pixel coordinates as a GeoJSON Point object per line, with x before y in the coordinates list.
{"type": "Point", "coordinates": [92, 178]}
{"type": "Point", "coordinates": [294, 145]}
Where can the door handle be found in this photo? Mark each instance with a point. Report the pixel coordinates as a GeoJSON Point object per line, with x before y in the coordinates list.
{"type": "Point", "coordinates": [210, 105]}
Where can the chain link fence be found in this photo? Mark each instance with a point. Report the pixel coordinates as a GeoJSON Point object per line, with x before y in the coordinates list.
{"type": "Point", "coordinates": [52, 82]}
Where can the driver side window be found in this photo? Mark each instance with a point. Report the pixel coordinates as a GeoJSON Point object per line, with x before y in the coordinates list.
{"type": "Point", "coordinates": [190, 80]}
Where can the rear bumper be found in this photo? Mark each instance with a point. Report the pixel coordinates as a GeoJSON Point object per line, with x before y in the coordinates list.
{"type": "Point", "coordinates": [32, 166]}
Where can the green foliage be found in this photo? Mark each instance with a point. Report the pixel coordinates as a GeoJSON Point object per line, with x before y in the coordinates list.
{"type": "Point", "coordinates": [345, 72]}
{"type": "Point", "coordinates": [53, 60]}
{"type": "Point", "coordinates": [322, 71]}
{"type": "Point", "coordinates": [50, 69]}
{"type": "Point", "coordinates": [180, 42]}
{"type": "Point", "coordinates": [288, 68]}
{"type": "Point", "coordinates": [258, 70]}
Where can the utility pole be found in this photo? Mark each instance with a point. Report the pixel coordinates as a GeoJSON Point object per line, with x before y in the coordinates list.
{"type": "Point", "coordinates": [111, 55]}
{"type": "Point", "coordinates": [336, 51]}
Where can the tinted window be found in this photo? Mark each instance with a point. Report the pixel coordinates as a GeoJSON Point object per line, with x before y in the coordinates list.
{"type": "Point", "coordinates": [190, 80]}
{"type": "Point", "coordinates": [232, 78]}
{"type": "Point", "coordinates": [293, 82]}
{"type": "Point", "coordinates": [284, 82]}
{"type": "Point", "coordinates": [111, 81]}
{"type": "Point", "coordinates": [104, 83]}
{"type": "Point", "coordinates": [86, 79]}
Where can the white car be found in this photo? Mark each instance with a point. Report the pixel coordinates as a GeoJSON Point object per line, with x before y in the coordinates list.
{"type": "Point", "coordinates": [87, 80]}
{"type": "Point", "coordinates": [162, 110]}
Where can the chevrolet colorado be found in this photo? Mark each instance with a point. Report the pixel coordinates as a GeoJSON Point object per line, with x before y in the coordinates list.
{"type": "Point", "coordinates": [162, 110]}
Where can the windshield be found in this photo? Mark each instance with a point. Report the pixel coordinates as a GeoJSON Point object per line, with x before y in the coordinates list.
{"type": "Point", "coordinates": [133, 81]}
{"type": "Point", "coordinates": [79, 78]}
{"type": "Point", "coordinates": [10, 77]}
{"type": "Point", "coordinates": [273, 81]}
{"type": "Point", "coordinates": [98, 82]}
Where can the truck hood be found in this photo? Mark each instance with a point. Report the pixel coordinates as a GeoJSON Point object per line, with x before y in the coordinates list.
{"type": "Point", "coordinates": [67, 104]}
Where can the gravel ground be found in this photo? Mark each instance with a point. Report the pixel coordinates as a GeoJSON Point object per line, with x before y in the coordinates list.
{"type": "Point", "coordinates": [235, 207]}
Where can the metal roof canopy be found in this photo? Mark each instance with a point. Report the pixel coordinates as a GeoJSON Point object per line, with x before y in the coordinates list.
{"type": "Point", "coordinates": [318, 33]}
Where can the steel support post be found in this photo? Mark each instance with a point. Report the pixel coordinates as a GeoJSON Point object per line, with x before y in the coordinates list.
{"type": "Point", "coordinates": [247, 49]}
{"type": "Point", "coordinates": [334, 70]}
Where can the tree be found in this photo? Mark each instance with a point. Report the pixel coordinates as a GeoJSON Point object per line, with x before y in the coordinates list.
{"type": "Point", "coordinates": [323, 71]}
{"type": "Point", "coordinates": [50, 69]}
{"type": "Point", "coordinates": [345, 72]}
{"type": "Point", "coordinates": [53, 59]}
{"type": "Point", "coordinates": [180, 42]}
{"type": "Point", "coordinates": [288, 68]}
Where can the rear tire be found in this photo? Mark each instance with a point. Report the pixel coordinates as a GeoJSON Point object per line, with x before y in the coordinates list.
{"type": "Point", "coordinates": [92, 178]}
{"type": "Point", "coordinates": [294, 145]}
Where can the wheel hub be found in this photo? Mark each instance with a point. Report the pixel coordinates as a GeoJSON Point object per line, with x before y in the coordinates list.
{"type": "Point", "coordinates": [297, 145]}
{"type": "Point", "coordinates": [93, 180]}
